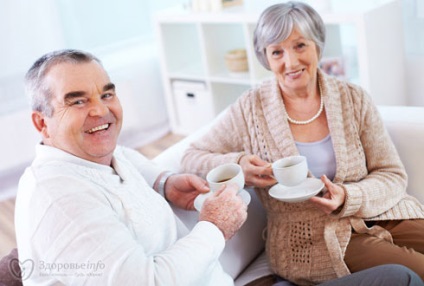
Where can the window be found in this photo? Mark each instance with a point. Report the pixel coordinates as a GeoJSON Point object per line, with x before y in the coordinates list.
{"type": "Point", "coordinates": [101, 23]}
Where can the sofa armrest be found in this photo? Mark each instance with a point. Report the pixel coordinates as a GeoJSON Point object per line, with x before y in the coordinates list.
{"type": "Point", "coordinates": [405, 125]}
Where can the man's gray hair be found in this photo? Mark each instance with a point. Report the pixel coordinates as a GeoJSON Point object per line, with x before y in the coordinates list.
{"type": "Point", "coordinates": [35, 87]}
{"type": "Point", "coordinates": [277, 22]}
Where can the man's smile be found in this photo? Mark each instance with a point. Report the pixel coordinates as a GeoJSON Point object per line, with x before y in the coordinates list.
{"type": "Point", "coordinates": [98, 128]}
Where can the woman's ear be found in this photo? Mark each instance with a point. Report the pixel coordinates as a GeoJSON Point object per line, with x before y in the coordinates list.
{"type": "Point", "coordinates": [38, 119]}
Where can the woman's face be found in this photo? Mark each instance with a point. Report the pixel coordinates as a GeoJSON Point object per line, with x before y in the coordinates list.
{"type": "Point", "coordinates": [294, 62]}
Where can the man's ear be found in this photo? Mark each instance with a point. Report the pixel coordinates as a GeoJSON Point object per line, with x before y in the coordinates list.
{"type": "Point", "coordinates": [38, 119]}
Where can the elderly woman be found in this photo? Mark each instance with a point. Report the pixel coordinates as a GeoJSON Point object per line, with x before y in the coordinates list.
{"type": "Point", "coordinates": [365, 218]}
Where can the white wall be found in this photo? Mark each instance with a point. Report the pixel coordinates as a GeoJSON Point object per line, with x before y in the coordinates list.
{"type": "Point", "coordinates": [19, 140]}
{"type": "Point", "coordinates": [413, 27]}
{"type": "Point", "coordinates": [415, 79]}
{"type": "Point", "coordinates": [25, 36]}
{"type": "Point", "coordinates": [29, 29]}
{"type": "Point", "coordinates": [413, 16]}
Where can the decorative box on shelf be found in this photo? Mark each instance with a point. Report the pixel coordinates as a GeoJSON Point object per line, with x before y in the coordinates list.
{"type": "Point", "coordinates": [193, 103]}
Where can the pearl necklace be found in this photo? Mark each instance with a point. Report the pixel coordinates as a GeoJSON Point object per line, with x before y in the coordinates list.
{"type": "Point", "coordinates": [299, 122]}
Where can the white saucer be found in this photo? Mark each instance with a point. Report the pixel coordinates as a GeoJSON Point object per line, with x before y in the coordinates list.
{"type": "Point", "coordinates": [200, 199]}
{"type": "Point", "coordinates": [305, 190]}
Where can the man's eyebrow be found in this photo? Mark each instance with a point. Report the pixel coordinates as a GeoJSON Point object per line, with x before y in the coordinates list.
{"type": "Point", "coordinates": [73, 94]}
{"type": "Point", "coordinates": [109, 86]}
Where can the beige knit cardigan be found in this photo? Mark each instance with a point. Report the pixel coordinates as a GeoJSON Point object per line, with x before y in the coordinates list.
{"type": "Point", "coordinates": [303, 244]}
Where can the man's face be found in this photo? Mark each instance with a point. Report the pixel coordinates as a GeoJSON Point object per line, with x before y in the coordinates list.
{"type": "Point", "coordinates": [87, 114]}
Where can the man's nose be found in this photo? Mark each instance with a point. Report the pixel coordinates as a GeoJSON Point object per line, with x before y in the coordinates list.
{"type": "Point", "coordinates": [98, 108]}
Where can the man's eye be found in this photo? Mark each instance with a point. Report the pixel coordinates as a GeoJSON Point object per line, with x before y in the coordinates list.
{"type": "Point", "coordinates": [78, 102]}
{"type": "Point", "coordinates": [107, 95]}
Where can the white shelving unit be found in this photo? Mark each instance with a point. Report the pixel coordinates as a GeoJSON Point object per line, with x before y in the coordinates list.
{"type": "Point", "coordinates": [193, 47]}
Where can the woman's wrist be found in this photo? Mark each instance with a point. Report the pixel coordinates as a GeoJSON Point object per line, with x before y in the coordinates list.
{"type": "Point", "coordinates": [239, 157]}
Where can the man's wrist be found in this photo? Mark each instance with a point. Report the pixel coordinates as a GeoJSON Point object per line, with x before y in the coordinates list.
{"type": "Point", "coordinates": [162, 181]}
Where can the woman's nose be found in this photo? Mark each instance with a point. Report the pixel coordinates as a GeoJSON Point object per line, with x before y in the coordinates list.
{"type": "Point", "coordinates": [291, 59]}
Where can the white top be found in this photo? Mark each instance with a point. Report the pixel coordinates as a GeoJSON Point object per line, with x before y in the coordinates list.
{"type": "Point", "coordinates": [320, 156]}
{"type": "Point", "coordinates": [82, 223]}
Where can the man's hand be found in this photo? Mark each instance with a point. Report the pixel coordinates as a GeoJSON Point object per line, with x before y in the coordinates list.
{"type": "Point", "coordinates": [182, 189]}
{"type": "Point", "coordinates": [257, 172]}
{"type": "Point", "coordinates": [332, 199]}
{"type": "Point", "coordinates": [225, 209]}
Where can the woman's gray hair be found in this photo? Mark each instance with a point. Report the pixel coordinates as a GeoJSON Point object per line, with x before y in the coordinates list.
{"type": "Point", "coordinates": [35, 87]}
{"type": "Point", "coordinates": [277, 22]}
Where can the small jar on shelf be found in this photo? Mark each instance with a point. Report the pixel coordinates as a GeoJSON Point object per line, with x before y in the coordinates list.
{"type": "Point", "coordinates": [236, 61]}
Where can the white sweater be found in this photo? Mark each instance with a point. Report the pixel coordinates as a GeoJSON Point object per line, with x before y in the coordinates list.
{"type": "Point", "coordinates": [82, 223]}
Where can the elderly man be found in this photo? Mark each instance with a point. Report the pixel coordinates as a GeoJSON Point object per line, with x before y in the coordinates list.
{"type": "Point", "coordinates": [89, 212]}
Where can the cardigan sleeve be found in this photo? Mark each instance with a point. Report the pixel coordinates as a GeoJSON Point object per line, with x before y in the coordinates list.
{"type": "Point", "coordinates": [223, 143]}
{"type": "Point", "coordinates": [385, 183]}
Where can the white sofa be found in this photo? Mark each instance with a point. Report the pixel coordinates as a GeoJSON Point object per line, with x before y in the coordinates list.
{"type": "Point", "coordinates": [243, 257]}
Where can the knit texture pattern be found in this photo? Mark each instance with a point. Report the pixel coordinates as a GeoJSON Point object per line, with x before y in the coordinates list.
{"type": "Point", "coordinates": [303, 244]}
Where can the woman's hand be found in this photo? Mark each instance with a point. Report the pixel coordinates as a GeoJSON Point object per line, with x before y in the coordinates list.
{"type": "Point", "coordinates": [332, 199]}
{"type": "Point", "coordinates": [257, 172]}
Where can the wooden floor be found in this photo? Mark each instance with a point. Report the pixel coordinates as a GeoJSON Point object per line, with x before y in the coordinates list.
{"type": "Point", "coordinates": [7, 228]}
{"type": "Point", "coordinates": [7, 208]}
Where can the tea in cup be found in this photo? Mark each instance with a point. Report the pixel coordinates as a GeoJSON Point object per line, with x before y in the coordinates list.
{"type": "Point", "coordinates": [224, 174]}
{"type": "Point", "coordinates": [290, 171]}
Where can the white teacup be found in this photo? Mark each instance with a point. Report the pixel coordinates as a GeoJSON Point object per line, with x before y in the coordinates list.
{"type": "Point", "coordinates": [224, 174]}
{"type": "Point", "coordinates": [290, 171]}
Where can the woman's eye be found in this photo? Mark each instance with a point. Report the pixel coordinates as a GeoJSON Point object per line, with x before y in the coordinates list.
{"type": "Point", "coordinates": [276, 53]}
{"type": "Point", "coordinates": [301, 45]}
